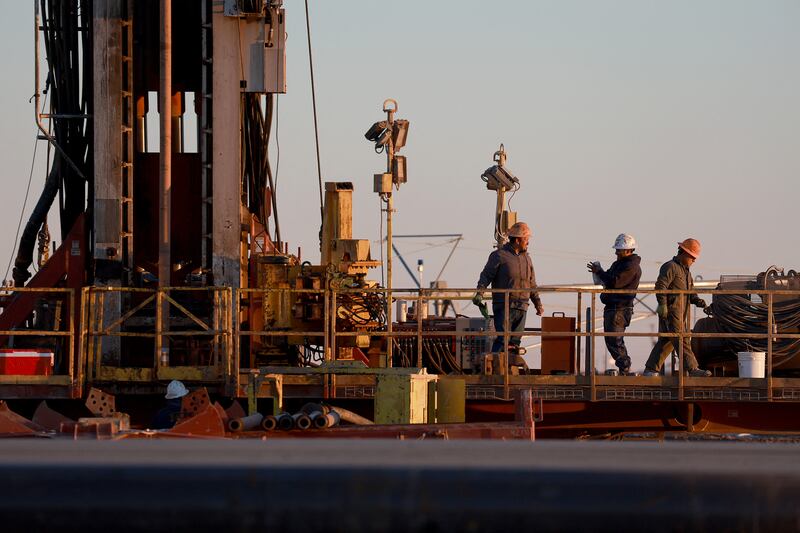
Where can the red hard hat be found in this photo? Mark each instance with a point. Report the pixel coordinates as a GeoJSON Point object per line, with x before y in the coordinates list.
{"type": "Point", "coordinates": [691, 247]}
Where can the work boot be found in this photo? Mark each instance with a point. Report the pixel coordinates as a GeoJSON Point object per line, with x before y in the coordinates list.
{"type": "Point", "coordinates": [626, 372]}
{"type": "Point", "coordinates": [699, 373]}
{"type": "Point", "coordinates": [650, 373]}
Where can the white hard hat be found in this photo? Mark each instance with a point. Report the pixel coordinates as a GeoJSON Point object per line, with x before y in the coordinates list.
{"type": "Point", "coordinates": [176, 389]}
{"type": "Point", "coordinates": [625, 242]}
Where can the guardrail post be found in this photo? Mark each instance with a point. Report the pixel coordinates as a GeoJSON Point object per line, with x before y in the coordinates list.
{"type": "Point", "coordinates": [591, 368]}
{"type": "Point", "coordinates": [681, 328]}
{"type": "Point", "coordinates": [578, 337]}
{"type": "Point", "coordinates": [420, 342]}
{"type": "Point", "coordinates": [770, 332]}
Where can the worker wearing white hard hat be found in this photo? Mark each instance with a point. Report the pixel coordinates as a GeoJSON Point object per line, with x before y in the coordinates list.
{"type": "Point", "coordinates": [624, 273]}
{"type": "Point", "coordinates": [167, 416]}
{"type": "Point", "coordinates": [510, 267]}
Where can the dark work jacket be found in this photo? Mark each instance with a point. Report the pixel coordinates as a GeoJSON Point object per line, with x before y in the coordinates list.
{"type": "Point", "coordinates": [507, 269]}
{"type": "Point", "coordinates": [623, 273]}
{"type": "Point", "coordinates": [674, 276]}
{"type": "Point", "coordinates": [167, 416]}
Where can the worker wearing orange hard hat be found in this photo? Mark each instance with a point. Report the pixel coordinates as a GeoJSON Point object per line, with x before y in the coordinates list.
{"type": "Point", "coordinates": [673, 309]}
{"type": "Point", "coordinates": [510, 267]}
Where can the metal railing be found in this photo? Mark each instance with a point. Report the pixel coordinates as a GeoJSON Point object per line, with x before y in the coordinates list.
{"type": "Point", "coordinates": [102, 336]}
{"type": "Point", "coordinates": [422, 297]}
{"type": "Point", "coordinates": [224, 330]}
{"type": "Point", "coordinates": [64, 329]}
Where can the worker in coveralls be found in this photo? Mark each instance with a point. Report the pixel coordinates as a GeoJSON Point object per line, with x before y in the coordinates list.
{"type": "Point", "coordinates": [624, 273]}
{"type": "Point", "coordinates": [673, 309]}
{"type": "Point", "coordinates": [510, 267]}
{"type": "Point", "coordinates": [168, 416]}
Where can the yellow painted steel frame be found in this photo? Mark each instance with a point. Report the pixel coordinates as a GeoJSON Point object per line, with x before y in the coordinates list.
{"type": "Point", "coordinates": [73, 377]}
{"type": "Point", "coordinates": [219, 331]}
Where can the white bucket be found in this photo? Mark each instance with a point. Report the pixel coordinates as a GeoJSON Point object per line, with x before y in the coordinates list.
{"type": "Point", "coordinates": [752, 364]}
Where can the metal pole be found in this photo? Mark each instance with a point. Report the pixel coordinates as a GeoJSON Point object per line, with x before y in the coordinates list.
{"type": "Point", "coordinates": [588, 356]}
{"type": "Point", "coordinates": [506, 337]}
{"type": "Point", "coordinates": [165, 146]}
{"type": "Point", "coordinates": [591, 368]}
{"type": "Point", "coordinates": [770, 332]}
{"type": "Point", "coordinates": [681, 329]}
{"type": "Point", "coordinates": [578, 339]}
{"type": "Point", "coordinates": [389, 209]}
{"type": "Point", "coordinates": [390, 345]}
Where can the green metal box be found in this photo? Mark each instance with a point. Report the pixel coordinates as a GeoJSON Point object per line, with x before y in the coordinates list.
{"type": "Point", "coordinates": [402, 399]}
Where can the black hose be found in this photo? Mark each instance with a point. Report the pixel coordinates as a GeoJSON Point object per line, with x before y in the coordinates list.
{"type": "Point", "coordinates": [66, 28]}
{"type": "Point", "coordinates": [738, 314]}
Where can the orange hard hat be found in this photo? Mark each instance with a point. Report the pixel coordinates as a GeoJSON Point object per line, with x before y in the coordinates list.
{"type": "Point", "coordinates": [520, 229]}
{"type": "Point", "coordinates": [691, 247]}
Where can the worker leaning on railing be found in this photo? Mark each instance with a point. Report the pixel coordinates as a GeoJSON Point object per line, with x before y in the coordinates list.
{"type": "Point", "coordinates": [673, 309]}
{"type": "Point", "coordinates": [510, 267]}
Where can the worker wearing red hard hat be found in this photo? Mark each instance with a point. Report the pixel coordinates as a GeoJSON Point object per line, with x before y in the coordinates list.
{"type": "Point", "coordinates": [624, 273]}
{"type": "Point", "coordinates": [510, 267]}
{"type": "Point", "coordinates": [673, 309]}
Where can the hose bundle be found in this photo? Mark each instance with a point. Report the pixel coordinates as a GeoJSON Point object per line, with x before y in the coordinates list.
{"type": "Point", "coordinates": [738, 314]}
{"type": "Point", "coordinates": [66, 29]}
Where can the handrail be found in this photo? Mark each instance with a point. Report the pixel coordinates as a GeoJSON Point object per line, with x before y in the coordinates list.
{"type": "Point", "coordinates": [72, 370]}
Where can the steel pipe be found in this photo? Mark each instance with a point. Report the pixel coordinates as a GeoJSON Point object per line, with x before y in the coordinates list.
{"type": "Point", "coordinates": [245, 423]}
{"type": "Point", "coordinates": [351, 417]}
{"type": "Point", "coordinates": [327, 420]}
{"type": "Point", "coordinates": [301, 420]}
{"type": "Point", "coordinates": [285, 421]}
{"type": "Point", "coordinates": [165, 146]}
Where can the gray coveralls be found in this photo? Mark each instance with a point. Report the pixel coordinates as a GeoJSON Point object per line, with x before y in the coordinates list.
{"type": "Point", "coordinates": [673, 276]}
{"type": "Point", "coordinates": [507, 269]}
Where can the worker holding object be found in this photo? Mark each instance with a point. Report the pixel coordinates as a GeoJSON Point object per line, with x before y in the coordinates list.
{"type": "Point", "coordinates": [624, 273]}
{"type": "Point", "coordinates": [673, 309]}
{"type": "Point", "coordinates": [510, 267]}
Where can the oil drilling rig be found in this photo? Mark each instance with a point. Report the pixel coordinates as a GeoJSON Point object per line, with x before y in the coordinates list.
{"type": "Point", "coordinates": [172, 264]}
{"type": "Point", "coordinates": [161, 227]}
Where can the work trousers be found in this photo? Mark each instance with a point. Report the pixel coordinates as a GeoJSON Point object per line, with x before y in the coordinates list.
{"type": "Point", "coordinates": [516, 321]}
{"type": "Point", "coordinates": [615, 320]}
{"type": "Point", "coordinates": [674, 323]}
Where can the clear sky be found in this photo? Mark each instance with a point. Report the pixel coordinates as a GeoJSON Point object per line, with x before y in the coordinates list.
{"type": "Point", "coordinates": [661, 119]}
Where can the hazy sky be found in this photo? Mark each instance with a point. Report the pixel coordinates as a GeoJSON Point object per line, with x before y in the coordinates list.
{"type": "Point", "coordinates": [662, 119]}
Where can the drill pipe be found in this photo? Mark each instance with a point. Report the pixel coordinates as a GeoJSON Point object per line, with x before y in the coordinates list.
{"type": "Point", "coordinates": [327, 421]}
{"type": "Point", "coordinates": [301, 420]}
{"type": "Point", "coordinates": [270, 423]}
{"type": "Point", "coordinates": [351, 417]}
{"type": "Point", "coordinates": [312, 407]}
{"type": "Point", "coordinates": [245, 423]}
{"type": "Point", "coordinates": [285, 422]}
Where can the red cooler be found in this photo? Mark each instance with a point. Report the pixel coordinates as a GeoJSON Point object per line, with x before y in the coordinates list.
{"type": "Point", "coordinates": [18, 362]}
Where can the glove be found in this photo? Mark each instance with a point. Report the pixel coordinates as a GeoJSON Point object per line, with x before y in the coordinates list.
{"type": "Point", "coordinates": [477, 299]}
{"type": "Point", "coordinates": [539, 308]}
{"type": "Point", "coordinates": [593, 268]}
{"type": "Point", "coordinates": [701, 303]}
{"type": "Point", "coordinates": [662, 311]}
{"type": "Point", "coordinates": [707, 310]}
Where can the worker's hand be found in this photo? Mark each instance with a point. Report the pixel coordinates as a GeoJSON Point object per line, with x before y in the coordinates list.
{"type": "Point", "coordinates": [477, 299]}
{"type": "Point", "coordinates": [662, 311]}
{"type": "Point", "coordinates": [708, 310]}
{"type": "Point", "coordinates": [594, 268]}
{"type": "Point", "coordinates": [539, 308]}
{"type": "Point", "coordinates": [701, 303]}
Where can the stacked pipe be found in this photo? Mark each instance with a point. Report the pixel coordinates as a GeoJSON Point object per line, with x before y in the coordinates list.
{"type": "Point", "coordinates": [311, 416]}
